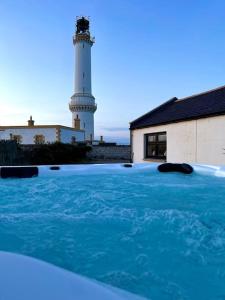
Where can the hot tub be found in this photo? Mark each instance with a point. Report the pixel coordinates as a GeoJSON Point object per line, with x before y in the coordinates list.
{"type": "Point", "coordinates": [160, 236]}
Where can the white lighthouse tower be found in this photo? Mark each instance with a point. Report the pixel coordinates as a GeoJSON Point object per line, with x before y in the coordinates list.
{"type": "Point", "coordinates": [82, 103]}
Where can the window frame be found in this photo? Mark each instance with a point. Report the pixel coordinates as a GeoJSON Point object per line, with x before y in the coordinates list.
{"type": "Point", "coordinates": [18, 138]}
{"type": "Point", "coordinates": [39, 139]}
{"type": "Point", "coordinates": [156, 143]}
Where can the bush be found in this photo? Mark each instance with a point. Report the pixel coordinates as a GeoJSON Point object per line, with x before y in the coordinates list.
{"type": "Point", "coordinates": [9, 152]}
{"type": "Point", "coordinates": [57, 153]}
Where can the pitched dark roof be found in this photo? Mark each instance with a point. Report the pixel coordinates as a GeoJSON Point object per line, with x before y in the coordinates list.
{"type": "Point", "coordinates": [210, 103]}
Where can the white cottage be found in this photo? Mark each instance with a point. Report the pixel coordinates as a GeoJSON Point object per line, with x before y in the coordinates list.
{"type": "Point", "coordinates": [190, 130]}
{"type": "Point", "coordinates": [40, 134]}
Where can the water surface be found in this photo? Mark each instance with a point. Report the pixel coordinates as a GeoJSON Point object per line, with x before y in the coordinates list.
{"type": "Point", "coordinates": [157, 235]}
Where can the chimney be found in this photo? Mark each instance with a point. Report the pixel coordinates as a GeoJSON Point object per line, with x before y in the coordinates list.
{"type": "Point", "coordinates": [101, 140]}
{"type": "Point", "coordinates": [30, 122]}
{"type": "Point", "coordinates": [77, 123]}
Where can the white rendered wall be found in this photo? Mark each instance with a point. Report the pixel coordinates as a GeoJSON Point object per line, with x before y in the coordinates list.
{"type": "Point", "coordinates": [211, 140]}
{"type": "Point", "coordinates": [83, 67]}
{"type": "Point", "coordinates": [181, 142]}
{"type": "Point", "coordinates": [67, 134]}
{"type": "Point", "coordinates": [29, 133]}
{"type": "Point", "coordinates": [198, 141]}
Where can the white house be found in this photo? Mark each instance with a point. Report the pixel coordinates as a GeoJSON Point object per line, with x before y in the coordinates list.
{"type": "Point", "coordinates": [40, 134]}
{"type": "Point", "coordinates": [190, 130]}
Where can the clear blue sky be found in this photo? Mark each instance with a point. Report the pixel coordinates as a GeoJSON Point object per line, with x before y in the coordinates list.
{"type": "Point", "coordinates": [145, 53]}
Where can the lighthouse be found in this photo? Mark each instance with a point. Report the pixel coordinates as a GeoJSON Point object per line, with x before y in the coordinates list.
{"type": "Point", "coordinates": [82, 104]}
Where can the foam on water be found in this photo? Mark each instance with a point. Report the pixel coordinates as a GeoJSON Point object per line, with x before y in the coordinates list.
{"type": "Point", "coordinates": [157, 235]}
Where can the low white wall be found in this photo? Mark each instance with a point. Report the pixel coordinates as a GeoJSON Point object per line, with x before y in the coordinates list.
{"type": "Point", "coordinates": [197, 141]}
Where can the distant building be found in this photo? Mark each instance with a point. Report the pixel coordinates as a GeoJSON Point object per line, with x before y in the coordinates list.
{"type": "Point", "coordinates": [82, 103]}
{"type": "Point", "coordinates": [190, 129]}
{"type": "Point", "coordinates": [40, 134]}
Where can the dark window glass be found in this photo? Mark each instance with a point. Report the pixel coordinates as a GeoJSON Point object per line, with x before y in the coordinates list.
{"type": "Point", "coordinates": [155, 145]}
{"type": "Point", "coordinates": [152, 138]}
{"type": "Point", "coordinates": [162, 137]}
{"type": "Point", "coordinates": [152, 150]}
{"type": "Point", "coordinates": [162, 150]}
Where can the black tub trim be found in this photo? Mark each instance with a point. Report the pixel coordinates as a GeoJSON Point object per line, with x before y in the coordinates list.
{"type": "Point", "coordinates": [18, 172]}
{"type": "Point", "coordinates": [127, 165]}
{"type": "Point", "coordinates": [173, 167]}
{"type": "Point", "coordinates": [54, 168]}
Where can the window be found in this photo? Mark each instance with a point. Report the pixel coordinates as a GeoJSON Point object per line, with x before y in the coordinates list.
{"type": "Point", "coordinates": [39, 139]}
{"type": "Point", "coordinates": [155, 145]}
{"type": "Point", "coordinates": [17, 138]}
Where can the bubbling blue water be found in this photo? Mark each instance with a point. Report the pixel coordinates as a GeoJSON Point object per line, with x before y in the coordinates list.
{"type": "Point", "coordinates": [157, 235]}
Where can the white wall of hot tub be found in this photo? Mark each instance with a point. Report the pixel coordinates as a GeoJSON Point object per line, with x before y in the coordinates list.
{"type": "Point", "coordinates": [34, 279]}
{"type": "Point", "coordinates": [28, 134]}
{"type": "Point", "coordinates": [66, 135]}
{"type": "Point", "coordinates": [197, 141]}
